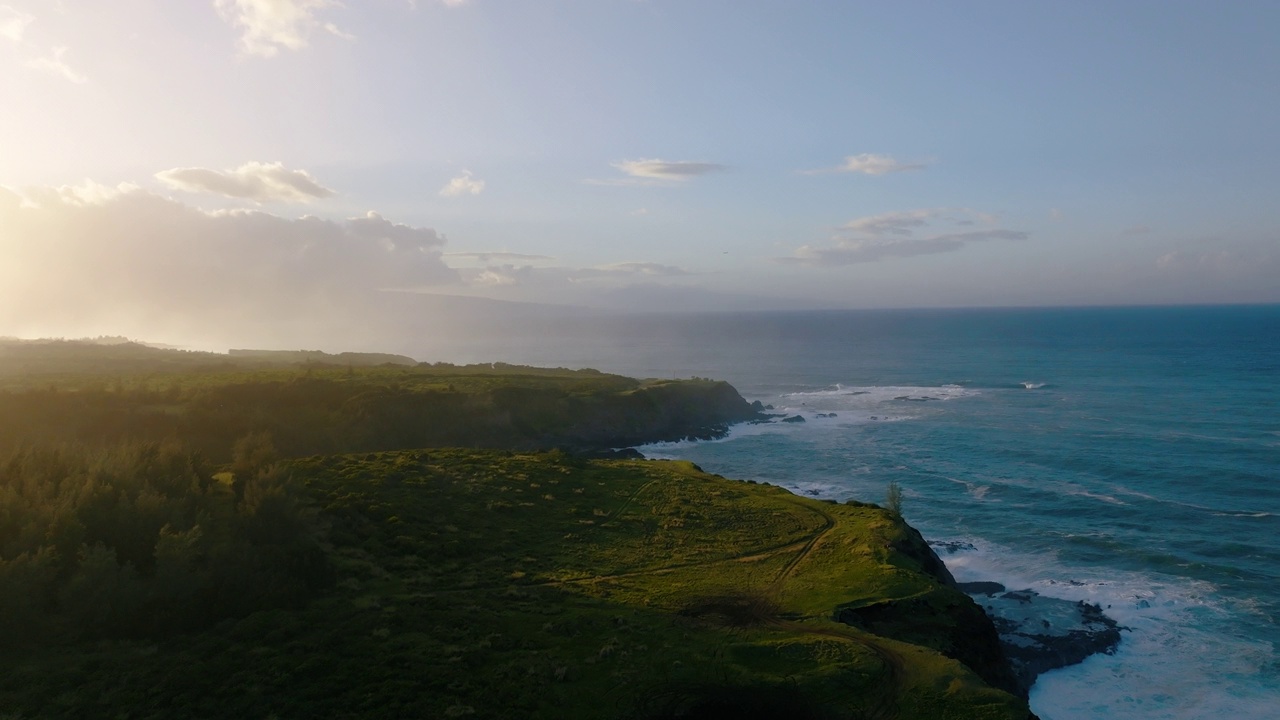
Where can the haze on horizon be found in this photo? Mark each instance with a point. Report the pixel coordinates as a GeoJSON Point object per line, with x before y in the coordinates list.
{"type": "Point", "coordinates": [302, 170]}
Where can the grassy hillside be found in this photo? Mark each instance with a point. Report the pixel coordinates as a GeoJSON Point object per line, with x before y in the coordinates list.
{"type": "Point", "coordinates": [500, 584]}
{"type": "Point", "coordinates": [196, 535]}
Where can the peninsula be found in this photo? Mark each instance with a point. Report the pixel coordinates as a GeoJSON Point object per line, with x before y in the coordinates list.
{"type": "Point", "coordinates": [228, 536]}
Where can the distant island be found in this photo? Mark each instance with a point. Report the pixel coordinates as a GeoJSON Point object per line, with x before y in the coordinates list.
{"type": "Point", "coordinates": [303, 534]}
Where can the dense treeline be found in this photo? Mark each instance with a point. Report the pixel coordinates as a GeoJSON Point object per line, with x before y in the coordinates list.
{"type": "Point", "coordinates": [319, 412]}
{"type": "Point", "coordinates": [141, 539]}
{"type": "Point", "coordinates": [42, 361]}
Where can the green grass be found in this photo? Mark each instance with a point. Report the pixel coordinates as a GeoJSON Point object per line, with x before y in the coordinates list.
{"type": "Point", "coordinates": [492, 584]}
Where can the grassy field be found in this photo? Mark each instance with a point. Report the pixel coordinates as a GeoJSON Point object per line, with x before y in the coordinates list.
{"type": "Point", "coordinates": [494, 584]}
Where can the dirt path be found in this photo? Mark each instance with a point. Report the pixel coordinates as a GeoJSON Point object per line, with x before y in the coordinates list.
{"type": "Point", "coordinates": [625, 504]}
{"type": "Point", "coordinates": [828, 523]}
{"type": "Point", "coordinates": [885, 705]}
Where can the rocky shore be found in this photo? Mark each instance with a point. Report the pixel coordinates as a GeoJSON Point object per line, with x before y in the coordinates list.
{"type": "Point", "coordinates": [1038, 633]}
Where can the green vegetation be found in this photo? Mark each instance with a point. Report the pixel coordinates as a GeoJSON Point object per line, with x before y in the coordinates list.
{"type": "Point", "coordinates": [155, 395]}
{"type": "Point", "coordinates": [893, 498]}
{"type": "Point", "coordinates": [526, 585]}
{"type": "Point", "coordinates": [143, 541]}
{"type": "Point", "coordinates": [139, 580]}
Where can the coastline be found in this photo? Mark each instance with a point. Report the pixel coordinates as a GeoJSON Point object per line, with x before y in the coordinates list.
{"type": "Point", "coordinates": [1035, 633]}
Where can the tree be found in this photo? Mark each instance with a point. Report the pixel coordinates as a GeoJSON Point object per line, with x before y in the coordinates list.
{"type": "Point", "coordinates": [253, 454]}
{"type": "Point", "coordinates": [893, 498]}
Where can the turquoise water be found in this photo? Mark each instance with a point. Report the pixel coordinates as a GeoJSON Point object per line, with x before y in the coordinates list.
{"type": "Point", "coordinates": [1126, 456]}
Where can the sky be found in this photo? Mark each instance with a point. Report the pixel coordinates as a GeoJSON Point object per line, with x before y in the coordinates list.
{"type": "Point", "coordinates": [289, 169]}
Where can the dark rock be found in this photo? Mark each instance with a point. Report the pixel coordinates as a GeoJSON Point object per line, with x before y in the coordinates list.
{"type": "Point", "coordinates": [952, 547]}
{"type": "Point", "coordinates": [620, 454]}
{"type": "Point", "coordinates": [793, 419]}
{"type": "Point", "coordinates": [594, 453]}
{"type": "Point", "coordinates": [981, 588]}
{"type": "Point", "coordinates": [914, 546]}
{"type": "Point", "coordinates": [1041, 633]}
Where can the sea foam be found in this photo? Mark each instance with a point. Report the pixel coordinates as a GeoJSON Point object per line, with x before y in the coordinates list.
{"type": "Point", "coordinates": [1180, 647]}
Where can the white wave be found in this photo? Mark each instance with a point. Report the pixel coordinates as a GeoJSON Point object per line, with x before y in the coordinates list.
{"type": "Point", "coordinates": [880, 393]}
{"type": "Point", "coordinates": [1077, 491]}
{"type": "Point", "coordinates": [879, 403]}
{"type": "Point", "coordinates": [1164, 670]}
{"type": "Point", "coordinates": [817, 489]}
{"type": "Point", "coordinates": [1182, 655]}
{"type": "Point", "coordinates": [1032, 385]}
{"type": "Point", "coordinates": [829, 409]}
{"type": "Point", "coordinates": [976, 491]}
{"type": "Point", "coordinates": [1218, 512]}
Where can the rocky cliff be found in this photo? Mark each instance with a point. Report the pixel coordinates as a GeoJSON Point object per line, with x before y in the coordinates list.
{"type": "Point", "coordinates": [943, 618]}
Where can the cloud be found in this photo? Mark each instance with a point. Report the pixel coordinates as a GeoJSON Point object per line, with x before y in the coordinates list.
{"type": "Point", "coordinates": [486, 257]}
{"type": "Point", "coordinates": [898, 223]}
{"type": "Point", "coordinates": [464, 184]}
{"type": "Point", "coordinates": [268, 25]}
{"type": "Point", "coordinates": [1137, 230]}
{"type": "Point", "coordinates": [658, 172]}
{"type": "Point", "coordinates": [673, 298]}
{"type": "Point", "coordinates": [1217, 257]}
{"type": "Point", "coordinates": [86, 193]}
{"type": "Point", "coordinates": [13, 23]}
{"type": "Point", "coordinates": [889, 235]}
{"type": "Point", "coordinates": [93, 258]}
{"type": "Point", "coordinates": [54, 64]}
{"type": "Point", "coordinates": [13, 27]}
{"type": "Point", "coordinates": [1235, 269]}
{"type": "Point", "coordinates": [497, 276]}
{"type": "Point", "coordinates": [559, 283]}
{"type": "Point", "coordinates": [870, 164]}
{"type": "Point", "coordinates": [636, 268]}
{"type": "Point", "coordinates": [865, 250]}
{"type": "Point", "coordinates": [256, 181]}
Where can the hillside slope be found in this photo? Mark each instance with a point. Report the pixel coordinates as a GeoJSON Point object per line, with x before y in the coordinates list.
{"type": "Point", "coordinates": [502, 585]}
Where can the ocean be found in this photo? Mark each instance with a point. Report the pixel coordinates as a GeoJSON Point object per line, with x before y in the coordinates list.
{"type": "Point", "coordinates": [1127, 457]}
